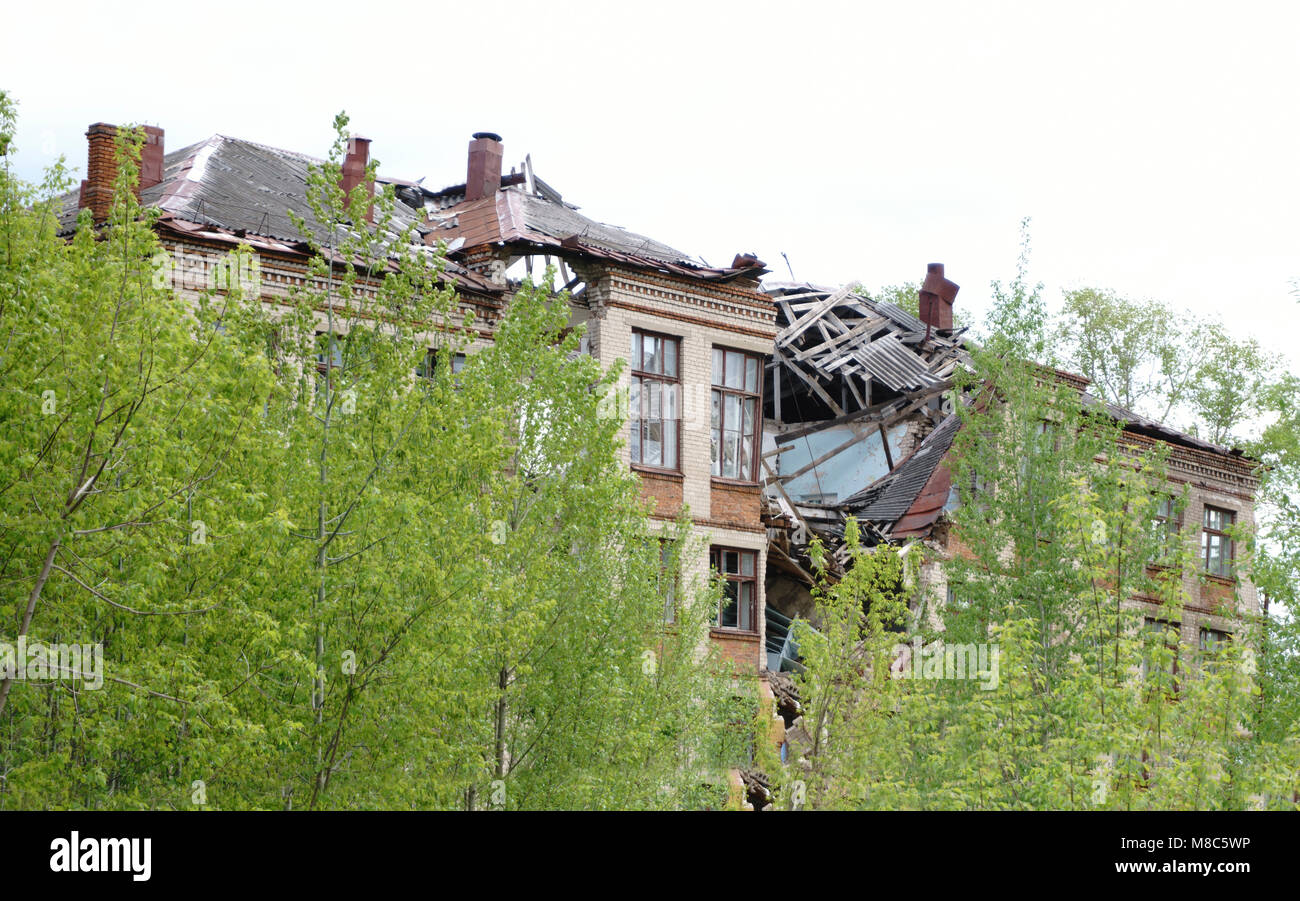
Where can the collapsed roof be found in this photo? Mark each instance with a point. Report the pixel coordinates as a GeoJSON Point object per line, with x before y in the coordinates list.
{"type": "Point", "coordinates": [526, 214]}
{"type": "Point", "coordinates": [859, 424]}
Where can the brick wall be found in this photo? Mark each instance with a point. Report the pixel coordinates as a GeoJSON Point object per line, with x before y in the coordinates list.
{"type": "Point", "coordinates": [664, 490]}
{"type": "Point", "coordinates": [734, 505]}
{"type": "Point", "coordinates": [701, 316]}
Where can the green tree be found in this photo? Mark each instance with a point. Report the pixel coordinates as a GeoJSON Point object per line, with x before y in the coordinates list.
{"type": "Point", "coordinates": [320, 580]}
{"type": "Point", "coordinates": [1084, 698]}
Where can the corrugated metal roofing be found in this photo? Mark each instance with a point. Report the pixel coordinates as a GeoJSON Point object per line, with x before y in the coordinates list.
{"type": "Point", "coordinates": [893, 364]}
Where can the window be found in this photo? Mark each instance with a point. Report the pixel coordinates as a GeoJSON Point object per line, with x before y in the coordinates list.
{"type": "Point", "coordinates": [1157, 637]}
{"type": "Point", "coordinates": [668, 579]}
{"type": "Point", "coordinates": [735, 414]}
{"type": "Point", "coordinates": [739, 589]}
{"type": "Point", "coordinates": [329, 356]}
{"type": "Point", "coordinates": [428, 366]}
{"type": "Point", "coordinates": [654, 400]}
{"type": "Point", "coordinates": [329, 352]}
{"type": "Point", "coordinates": [1216, 546]}
{"type": "Point", "coordinates": [1165, 526]}
{"type": "Point", "coordinates": [1213, 640]}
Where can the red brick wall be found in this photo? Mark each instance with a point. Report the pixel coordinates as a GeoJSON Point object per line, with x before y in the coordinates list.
{"type": "Point", "coordinates": [738, 649]}
{"type": "Point", "coordinates": [664, 490]}
{"type": "Point", "coordinates": [735, 505]}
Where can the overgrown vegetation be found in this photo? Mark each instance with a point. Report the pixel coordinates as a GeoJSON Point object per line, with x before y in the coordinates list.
{"type": "Point", "coordinates": [1023, 676]}
{"type": "Point", "coordinates": [318, 579]}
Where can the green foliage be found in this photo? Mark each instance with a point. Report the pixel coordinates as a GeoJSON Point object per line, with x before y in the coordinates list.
{"type": "Point", "coordinates": [318, 580]}
{"type": "Point", "coordinates": [1072, 699]}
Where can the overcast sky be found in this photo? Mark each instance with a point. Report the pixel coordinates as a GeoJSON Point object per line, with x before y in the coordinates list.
{"type": "Point", "coordinates": [1153, 145]}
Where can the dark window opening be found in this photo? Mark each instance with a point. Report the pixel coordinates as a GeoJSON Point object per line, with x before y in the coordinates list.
{"type": "Point", "coordinates": [737, 569]}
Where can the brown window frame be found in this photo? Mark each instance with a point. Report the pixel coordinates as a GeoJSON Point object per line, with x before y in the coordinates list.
{"type": "Point", "coordinates": [1221, 639]}
{"type": "Point", "coordinates": [717, 563]}
{"type": "Point", "coordinates": [718, 394]}
{"type": "Point", "coordinates": [429, 365]}
{"type": "Point", "coordinates": [329, 358]}
{"type": "Point", "coordinates": [330, 355]}
{"type": "Point", "coordinates": [1169, 524]}
{"type": "Point", "coordinates": [1207, 534]}
{"type": "Point", "coordinates": [640, 423]}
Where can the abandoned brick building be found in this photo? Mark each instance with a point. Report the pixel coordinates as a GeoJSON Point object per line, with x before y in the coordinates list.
{"type": "Point", "coordinates": [769, 411]}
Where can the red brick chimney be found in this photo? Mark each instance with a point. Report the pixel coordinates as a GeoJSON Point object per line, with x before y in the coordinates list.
{"type": "Point", "coordinates": [101, 170]}
{"type": "Point", "coordinates": [936, 298]}
{"type": "Point", "coordinates": [151, 157]}
{"type": "Point", "coordinates": [101, 167]}
{"type": "Point", "coordinates": [484, 176]}
{"type": "Point", "coordinates": [354, 172]}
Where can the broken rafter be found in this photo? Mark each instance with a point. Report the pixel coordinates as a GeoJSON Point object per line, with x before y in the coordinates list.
{"type": "Point", "coordinates": [811, 382]}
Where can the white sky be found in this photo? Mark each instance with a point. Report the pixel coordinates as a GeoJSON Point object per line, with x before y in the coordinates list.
{"type": "Point", "coordinates": [1154, 145]}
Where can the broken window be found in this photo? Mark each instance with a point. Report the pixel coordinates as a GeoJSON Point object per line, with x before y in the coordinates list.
{"type": "Point", "coordinates": [737, 569]}
{"type": "Point", "coordinates": [1216, 544]}
{"type": "Point", "coordinates": [735, 414]}
{"type": "Point", "coordinates": [654, 400]}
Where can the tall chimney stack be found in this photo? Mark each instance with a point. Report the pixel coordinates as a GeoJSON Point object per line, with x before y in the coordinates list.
{"type": "Point", "coordinates": [354, 172]}
{"type": "Point", "coordinates": [484, 176]}
{"type": "Point", "coordinates": [936, 298]}
{"type": "Point", "coordinates": [101, 167]}
{"type": "Point", "coordinates": [101, 170]}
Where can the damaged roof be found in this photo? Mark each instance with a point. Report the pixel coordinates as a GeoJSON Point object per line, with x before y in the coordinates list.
{"type": "Point", "coordinates": [913, 495]}
{"type": "Point", "coordinates": [845, 333]}
{"type": "Point", "coordinates": [232, 190]}
{"type": "Point", "coordinates": [542, 221]}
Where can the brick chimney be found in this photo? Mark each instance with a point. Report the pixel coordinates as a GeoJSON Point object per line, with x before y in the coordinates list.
{"type": "Point", "coordinates": [484, 176]}
{"type": "Point", "coordinates": [936, 298]}
{"type": "Point", "coordinates": [101, 167]}
{"type": "Point", "coordinates": [354, 172]}
{"type": "Point", "coordinates": [151, 157]}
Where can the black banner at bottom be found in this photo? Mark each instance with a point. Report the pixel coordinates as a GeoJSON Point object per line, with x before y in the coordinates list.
{"type": "Point", "coordinates": [144, 850]}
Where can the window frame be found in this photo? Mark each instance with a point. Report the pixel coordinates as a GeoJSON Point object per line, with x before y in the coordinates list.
{"type": "Point", "coordinates": [745, 395]}
{"type": "Point", "coordinates": [1207, 536]}
{"type": "Point", "coordinates": [1168, 525]}
{"type": "Point", "coordinates": [643, 376]}
{"type": "Point", "coordinates": [670, 578]}
{"type": "Point", "coordinates": [428, 367]}
{"type": "Point", "coordinates": [1221, 639]}
{"type": "Point", "coordinates": [717, 558]}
